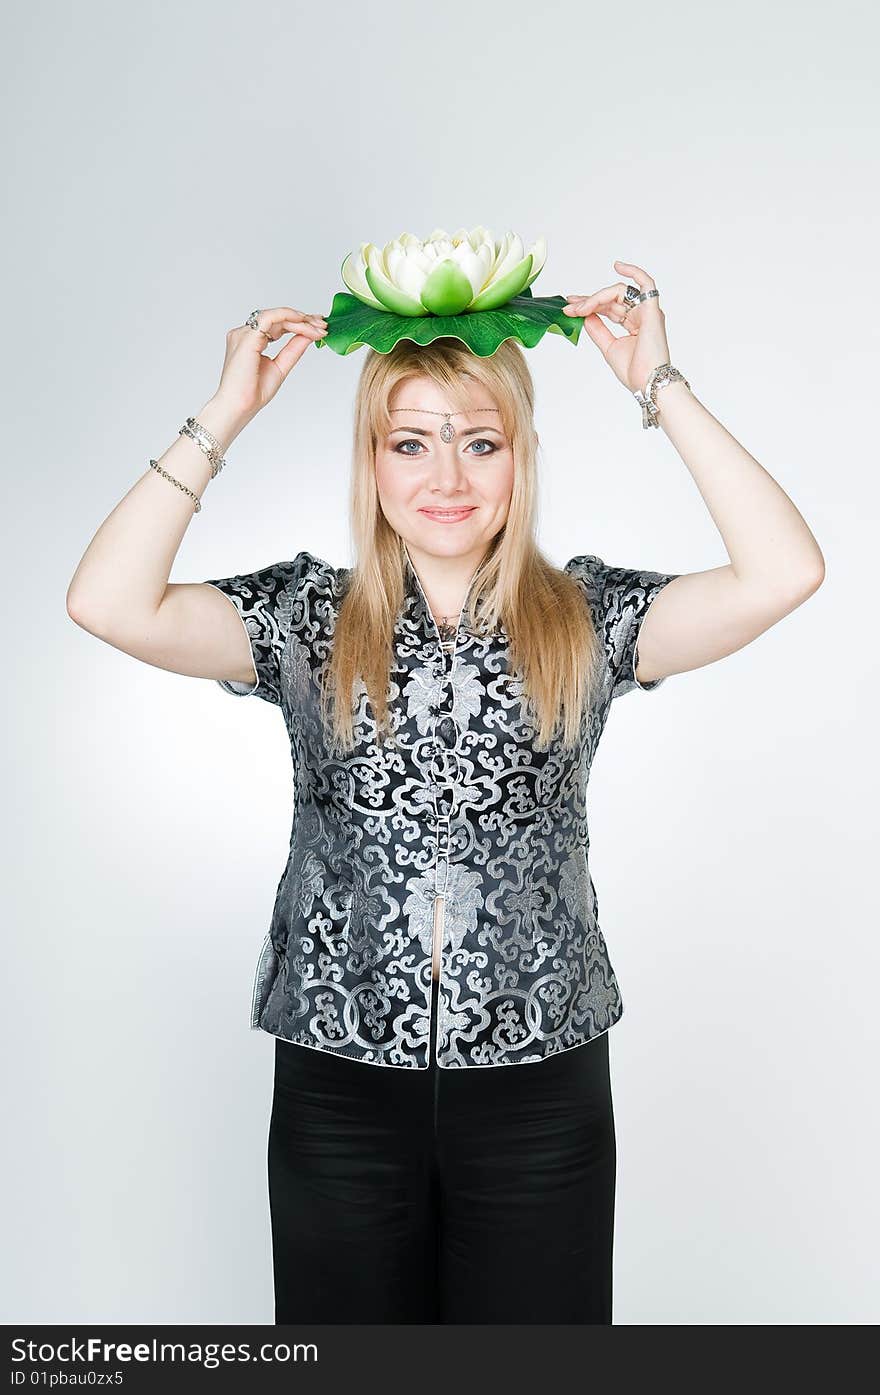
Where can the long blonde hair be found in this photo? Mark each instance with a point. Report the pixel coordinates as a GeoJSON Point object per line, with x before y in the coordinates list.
{"type": "Point", "coordinates": [553, 644]}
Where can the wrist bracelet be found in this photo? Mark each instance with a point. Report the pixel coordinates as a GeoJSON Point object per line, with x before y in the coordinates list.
{"type": "Point", "coordinates": [647, 400]}
{"type": "Point", "coordinates": [154, 465]}
{"type": "Point", "coordinates": [206, 442]}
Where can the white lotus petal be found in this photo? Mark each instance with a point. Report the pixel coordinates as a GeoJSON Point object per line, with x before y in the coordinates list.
{"type": "Point", "coordinates": [475, 265]}
{"type": "Point", "coordinates": [481, 240]}
{"type": "Point", "coordinates": [441, 248]}
{"type": "Point", "coordinates": [389, 252]}
{"type": "Point", "coordinates": [383, 280]}
{"type": "Point", "coordinates": [513, 255]}
{"type": "Point", "coordinates": [408, 269]}
{"type": "Point", "coordinates": [353, 277]}
{"type": "Point", "coordinates": [539, 256]}
{"type": "Point", "coordinates": [420, 258]}
{"type": "Point", "coordinates": [483, 244]}
{"type": "Point", "coordinates": [376, 262]}
{"type": "Point", "coordinates": [500, 248]}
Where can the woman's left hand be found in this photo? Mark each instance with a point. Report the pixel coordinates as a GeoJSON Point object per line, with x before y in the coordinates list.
{"type": "Point", "coordinates": [633, 355]}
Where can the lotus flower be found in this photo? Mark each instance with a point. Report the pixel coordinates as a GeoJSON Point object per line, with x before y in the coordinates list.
{"type": "Point", "coordinates": [466, 287]}
{"type": "Point", "coordinates": [443, 275]}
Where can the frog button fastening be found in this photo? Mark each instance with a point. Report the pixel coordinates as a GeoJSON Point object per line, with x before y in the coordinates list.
{"type": "Point", "coordinates": [447, 730]}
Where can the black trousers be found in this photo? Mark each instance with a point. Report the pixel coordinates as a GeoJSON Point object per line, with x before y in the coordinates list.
{"type": "Point", "coordinates": [480, 1194]}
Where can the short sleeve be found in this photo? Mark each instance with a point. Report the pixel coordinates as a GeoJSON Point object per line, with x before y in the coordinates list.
{"type": "Point", "coordinates": [264, 601]}
{"type": "Point", "coordinates": [620, 598]}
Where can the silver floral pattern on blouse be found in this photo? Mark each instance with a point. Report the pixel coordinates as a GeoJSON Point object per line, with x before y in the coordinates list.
{"type": "Point", "coordinates": [346, 964]}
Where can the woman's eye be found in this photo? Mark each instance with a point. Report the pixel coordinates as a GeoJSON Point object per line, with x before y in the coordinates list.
{"type": "Point", "coordinates": [481, 442]}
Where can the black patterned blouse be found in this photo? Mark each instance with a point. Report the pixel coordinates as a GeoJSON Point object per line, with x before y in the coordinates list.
{"type": "Point", "coordinates": [460, 805]}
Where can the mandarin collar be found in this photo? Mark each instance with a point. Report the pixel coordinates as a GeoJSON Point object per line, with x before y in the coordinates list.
{"type": "Point", "coordinates": [417, 601]}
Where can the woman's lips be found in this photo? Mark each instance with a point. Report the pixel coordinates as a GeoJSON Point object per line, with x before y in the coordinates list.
{"type": "Point", "coordinates": [448, 515]}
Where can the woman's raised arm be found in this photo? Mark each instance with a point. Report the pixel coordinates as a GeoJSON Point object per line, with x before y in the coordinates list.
{"type": "Point", "coordinates": [120, 591]}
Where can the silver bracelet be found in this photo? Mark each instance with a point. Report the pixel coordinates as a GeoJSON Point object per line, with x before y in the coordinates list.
{"type": "Point", "coordinates": [154, 465]}
{"type": "Point", "coordinates": [206, 442]}
{"type": "Point", "coordinates": [647, 400]}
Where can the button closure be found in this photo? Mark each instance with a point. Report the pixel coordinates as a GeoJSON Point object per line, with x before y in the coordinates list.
{"type": "Point", "coordinates": [447, 732]}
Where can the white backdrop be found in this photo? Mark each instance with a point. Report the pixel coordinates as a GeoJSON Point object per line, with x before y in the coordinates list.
{"type": "Point", "coordinates": [170, 168]}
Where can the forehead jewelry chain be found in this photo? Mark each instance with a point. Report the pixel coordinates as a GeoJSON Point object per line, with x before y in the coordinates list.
{"type": "Point", "coordinates": [447, 430]}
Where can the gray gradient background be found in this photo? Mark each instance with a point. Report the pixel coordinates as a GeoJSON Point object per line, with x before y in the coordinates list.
{"type": "Point", "coordinates": [167, 169]}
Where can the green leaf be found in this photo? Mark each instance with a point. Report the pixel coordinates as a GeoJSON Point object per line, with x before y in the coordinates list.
{"type": "Point", "coordinates": [351, 324]}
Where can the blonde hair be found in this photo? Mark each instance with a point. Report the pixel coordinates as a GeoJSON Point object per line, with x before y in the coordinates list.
{"type": "Point", "coordinates": [553, 644]}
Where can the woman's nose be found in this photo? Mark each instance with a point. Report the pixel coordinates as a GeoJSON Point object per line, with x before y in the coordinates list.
{"type": "Point", "coordinates": [448, 466]}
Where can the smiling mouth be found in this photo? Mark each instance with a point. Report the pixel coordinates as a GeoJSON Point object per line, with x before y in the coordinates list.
{"type": "Point", "coordinates": [448, 513]}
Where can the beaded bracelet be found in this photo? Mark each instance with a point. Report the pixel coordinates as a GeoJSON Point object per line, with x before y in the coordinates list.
{"type": "Point", "coordinates": [154, 465]}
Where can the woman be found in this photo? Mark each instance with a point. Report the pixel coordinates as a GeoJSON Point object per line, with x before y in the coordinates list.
{"type": "Point", "coordinates": [436, 921]}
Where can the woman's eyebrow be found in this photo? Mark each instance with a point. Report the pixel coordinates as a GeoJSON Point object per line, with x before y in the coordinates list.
{"type": "Point", "coordinates": [422, 431]}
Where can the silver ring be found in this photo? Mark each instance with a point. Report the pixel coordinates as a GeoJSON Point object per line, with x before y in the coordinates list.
{"type": "Point", "coordinates": [634, 296]}
{"type": "Point", "coordinates": [251, 322]}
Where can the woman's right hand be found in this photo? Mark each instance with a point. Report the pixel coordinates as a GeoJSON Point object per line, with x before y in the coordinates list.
{"type": "Point", "coordinates": [250, 378]}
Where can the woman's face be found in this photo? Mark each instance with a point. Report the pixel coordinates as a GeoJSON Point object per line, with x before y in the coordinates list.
{"type": "Point", "coordinates": [417, 473]}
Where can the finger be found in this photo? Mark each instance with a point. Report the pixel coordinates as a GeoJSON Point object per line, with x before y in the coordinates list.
{"type": "Point", "coordinates": [605, 294]}
{"type": "Point", "coordinates": [286, 312]}
{"type": "Point", "coordinates": [275, 322]}
{"type": "Point", "coordinates": [616, 318]}
{"type": "Point", "coordinates": [586, 304]}
{"type": "Point", "coordinates": [302, 327]}
{"type": "Point", "coordinates": [599, 333]}
{"type": "Point", "coordinates": [307, 332]}
{"type": "Point", "coordinates": [614, 312]}
{"type": "Point", "coordinates": [291, 354]}
{"type": "Point", "coordinates": [305, 329]}
{"type": "Point", "coordinates": [643, 280]}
